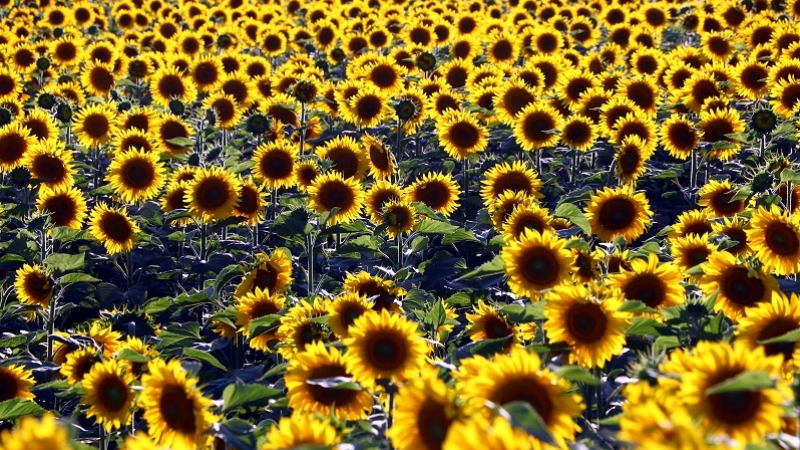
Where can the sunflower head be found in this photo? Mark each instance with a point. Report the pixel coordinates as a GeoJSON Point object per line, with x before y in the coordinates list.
{"type": "Point", "coordinates": [332, 190]}
{"type": "Point", "coordinates": [618, 212]}
{"type": "Point", "coordinates": [109, 394]}
{"type": "Point", "coordinates": [536, 262]}
{"type": "Point", "coordinates": [33, 285]}
{"type": "Point", "coordinates": [113, 228]}
{"type": "Point", "coordinates": [437, 190]}
{"type": "Point", "coordinates": [213, 194]}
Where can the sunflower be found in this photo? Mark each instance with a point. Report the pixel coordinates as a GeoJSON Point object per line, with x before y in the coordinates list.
{"type": "Point", "coordinates": [692, 222]}
{"type": "Point", "coordinates": [618, 212]}
{"type": "Point", "coordinates": [240, 87]}
{"type": "Point", "coordinates": [478, 433]}
{"type": "Point", "coordinates": [529, 216]}
{"type": "Point", "coordinates": [716, 126]}
{"type": "Point", "coordinates": [657, 285]}
{"type": "Point", "coordinates": [399, 216]}
{"type": "Point", "coordinates": [515, 176]}
{"type": "Point", "coordinates": [691, 250]}
{"type": "Point", "coordinates": [786, 97]}
{"type": "Point", "coordinates": [301, 430]}
{"type": "Point", "coordinates": [108, 394]}
{"type": "Point", "coordinates": [113, 228]}
{"type": "Point", "coordinates": [66, 206]}
{"type": "Point", "coordinates": [316, 362]}
{"type": "Point", "coordinates": [50, 162]}
{"type": "Point", "coordinates": [501, 209]}
{"type": "Point", "coordinates": [368, 108]}
{"type": "Point", "coordinates": [136, 175]}
{"type": "Point", "coordinates": [735, 230]}
{"type": "Point", "coordinates": [135, 344]}
{"type": "Point", "coordinates": [95, 124]}
{"type": "Point", "coordinates": [425, 411]}
{"type": "Point", "coordinates": [716, 196]}
{"type": "Point", "coordinates": [10, 86]}
{"type": "Point", "coordinates": [573, 84]}
{"type": "Point", "coordinates": [511, 98]}
{"type": "Point", "coordinates": [332, 190]}
{"type": "Point", "coordinates": [226, 108]}
{"type": "Point", "coordinates": [537, 126]}
{"type": "Point", "coordinates": [384, 74]}
{"type": "Point", "coordinates": [213, 194]}
{"type": "Point", "coordinates": [653, 418]}
{"type": "Point", "coordinates": [775, 237]}
{"type": "Point", "coordinates": [15, 142]}
{"type": "Point", "coordinates": [632, 125]}
{"type": "Point", "coordinates": [631, 156]}
{"type": "Point", "coordinates": [751, 79]}
{"type": "Point", "coordinates": [66, 52]}
{"type": "Point", "coordinates": [615, 109]}
{"type": "Point", "coordinates": [382, 164]}
{"type": "Point", "coordinates": [701, 86]}
{"type": "Point", "coordinates": [488, 323]}
{"type": "Point", "coordinates": [538, 261]}
{"type": "Point", "coordinates": [746, 416]}
{"type": "Point", "coordinates": [98, 79]}
{"type": "Point", "coordinates": [176, 411]}
{"type": "Point", "coordinates": [770, 319]}
{"type": "Point", "coordinates": [78, 363]}
{"type": "Point", "coordinates": [346, 157]}
{"type": "Point", "coordinates": [383, 345]}
{"type": "Point", "coordinates": [344, 310]}
{"type": "Point", "coordinates": [33, 286]}
{"type": "Point", "coordinates": [519, 376]}
{"type": "Point", "coordinates": [173, 199]}
{"type": "Point", "coordinates": [254, 305]}
{"type": "Point", "coordinates": [16, 382]}
{"type": "Point", "coordinates": [275, 162]}
{"type": "Point", "coordinates": [587, 320]}
{"type": "Point", "coordinates": [251, 202]}
{"type": "Point", "coordinates": [206, 72]}
{"type": "Point", "coordinates": [579, 132]}
{"type": "Point", "coordinates": [382, 292]}
{"type": "Point", "coordinates": [169, 83]}
{"type": "Point", "coordinates": [272, 273]}
{"type": "Point", "coordinates": [131, 139]}
{"type": "Point", "coordinates": [33, 433]}
{"type": "Point", "coordinates": [299, 328]}
{"type": "Point", "coordinates": [461, 134]}
{"type": "Point", "coordinates": [502, 47]}
{"type": "Point", "coordinates": [437, 190]}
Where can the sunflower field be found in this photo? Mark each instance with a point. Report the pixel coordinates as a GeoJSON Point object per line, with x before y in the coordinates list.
{"type": "Point", "coordinates": [406, 224]}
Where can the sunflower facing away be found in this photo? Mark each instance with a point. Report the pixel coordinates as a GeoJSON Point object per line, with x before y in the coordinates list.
{"type": "Point", "coordinates": [536, 262]}
{"type": "Point", "coordinates": [113, 228]}
{"type": "Point", "coordinates": [136, 175]}
{"type": "Point", "coordinates": [108, 394]}
{"type": "Point", "coordinates": [213, 194]}
{"type": "Point", "coordinates": [33, 286]}
{"type": "Point", "coordinates": [657, 285]}
{"type": "Point", "coordinates": [318, 362]}
{"type": "Point", "coordinates": [615, 212]}
{"type": "Point", "coordinates": [254, 305]}
{"type": "Point", "coordinates": [175, 409]}
{"type": "Point", "coordinates": [383, 345]}
{"type": "Point", "coordinates": [738, 286]}
{"type": "Point", "coordinates": [587, 319]}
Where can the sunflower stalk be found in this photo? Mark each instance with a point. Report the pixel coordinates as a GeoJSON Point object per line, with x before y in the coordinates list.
{"type": "Point", "coordinates": [789, 198]}
{"type": "Point", "coordinates": [302, 128]}
{"type": "Point", "coordinates": [599, 388]}
{"type": "Point", "coordinates": [203, 233]}
{"type": "Point", "coordinates": [399, 239]}
{"type": "Point", "coordinates": [692, 170]}
{"type": "Point", "coordinates": [51, 327]}
{"type": "Point", "coordinates": [465, 169]}
{"type": "Point", "coordinates": [103, 439]}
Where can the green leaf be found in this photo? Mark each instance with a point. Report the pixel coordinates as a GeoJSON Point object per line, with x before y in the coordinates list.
{"type": "Point", "coordinates": [578, 374]}
{"type": "Point", "coordinates": [419, 243]}
{"type": "Point", "coordinates": [71, 278]}
{"type": "Point", "coordinates": [61, 263]}
{"type": "Point", "coordinates": [522, 415]}
{"type": "Point", "coordinates": [791, 336]}
{"type": "Point", "coordinates": [743, 194]}
{"type": "Point", "coordinates": [435, 227]}
{"type": "Point", "coordinates": [643, 326]}
{"type": "Point", "coordinates": [66, 234]}
{"type": "Point", "coordinates": [790, 176]}
{"type": "Point", "coordinates": [131, 355]}
{"type": "Point", "coordinates": [240, 394]}
{"type": "Point", "coordinates": [226, 275]}
{"type": "Point", "coordinates": [18, 407]}
{"type": "Point", "coordinates": [635, 306]}
{"type": "Point", "coordinates": [264, 324]}
{"type": "Point", "coordinates": [492, 267]}
{"type": "Point", "coordinates": [181, 142]}
{"type": "Point", "coordinates": [436, 316]}
{"type": "Point", "coordinates": [365, 243]}
{"type": "Point", "coordinates": [344, 383]}
{"type": "Point", "coordinates": [575, 215]}
{"type": "Point", "coordinates": [745, 381]}
{"type": "Point", "coordinates": [205, 357]}
{"type": "Point", "coordinates": [459, 235]}
{"type": "Point", "coordinates": [666, 342]}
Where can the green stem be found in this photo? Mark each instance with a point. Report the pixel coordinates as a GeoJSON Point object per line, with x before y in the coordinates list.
{"type": "Point", "coordinates": [692, 170]}
{"type": "Point", "coordinates": [399, 239]}
{"type": "Point", "coordinates": [599, 389]}
{"type": "Point", "coordinates": [203, 231]}
{"type": "Point", "coordinates": [51, 327]}
{"type": "Point", "coordinates": [129, 268]}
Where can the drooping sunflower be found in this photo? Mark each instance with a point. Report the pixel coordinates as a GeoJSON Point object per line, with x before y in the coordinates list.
{"type": "Point", "coordinates": [487, 323]}
{"type": "Point", "coordinates": [275, 162]}
{"type": "Point", "coordinates": [318, 362]}
{"type": "Point", "coordinates": [586, 318]}
{"type": "Point", "coordinates": [746, 416]}
{"type": "Point", "coordinates": [15, 142]}
{"type": "Point", "coordinates": [66, 206]}
{"type": "Point", "coordinates": [382, 164]}
{"type": "Point", "coordinates": [169, 83]}
{"type": "Point", "coordinates": [632, 155]}
{"type": "Point", "coordinates": [774, 235]}
{"type": "Point", "coordinates": [346, 157]}
{"type": "Point", "coordinates": [254, 305]}
{"type": "Point", "coordinates": [136, 175]}
{"type": "Point", "coordinates": [770, 319]}
{"type": "Point", "coordinates": [332, 190]}
{"type": "Point", "coordinates": [33, 286]}
{"type": "Point", "coordinates": [537, 126]}
{"type": "Point", "coordinates": [716, 125]}
{"type": "Point", "coordinates": [344, 310]}
{"type": "Point", "coordinates": [657, 285]}
{"type": "Point", "coordinates": [272, 273]}
{"type": "Point", "coordinates": [424, 414]}
{"type": "Point", "coordinates": [519, 376]}
{"type": "Point", "coordinates": [618, 212]}
{"type": "Point", "coordinates": [716, 196]}
{"type": "Point", "coordinates": [437, 190]}
{"type": "Point", "coordinates": [538, 261]}
{"type": "Point", "coordinates": [515, 176]}
{"type": "Point", "coordinates": [108, 394]}
{"type": "Point", "coordinates": [301, 430]}
{"type": "Point", "coordinates": [114, 228]}
{"type": "Point", "coordinates": [382, 292]}
{"type": "Point", "coordinates": [95, 124]}
{"type": "Point", "coordinates": [461, 134]}
{"type": "Point", "coordinates": [175, 409]}
{"type": "Point", "coordinates": [213, 194]}
{"type": "Point", "coordinates": [16, 382]}
{"type": "Point", "coordinates": [383, 345]}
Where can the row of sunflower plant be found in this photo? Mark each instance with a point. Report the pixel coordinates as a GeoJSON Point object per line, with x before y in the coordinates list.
{"type": "Point", "coordinates": [466, 224]}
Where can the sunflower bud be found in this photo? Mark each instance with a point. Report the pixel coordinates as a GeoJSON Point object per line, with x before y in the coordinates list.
{"type": "Point", "coordinates": [305, 91]}
{"type": "Point", "coordinates": [211, 118]}
{"type": "Point", "coordinates": [257, 124]}
{"type": "Point", "coordinates": [762, 182]}
{"type": "Point", "coordinates": [5, 117]}
{"type": "Point", "coordinates": [124, 106]}
{"type": "Point", "coordinates": [176, 107]}
{"type": "Point", "coordinates": [763, 121]}
{"type": "Point", "coordinates": [58, 32]}
{"type": "Point", "coordinates": [20, 177]}
{"type": "Point", "coordinates": [46, 100]}
{"type": "Point", "coordinates": [64, 113]}
{"type": "Point", "coordinates": [63, 79]}
{"type": "Point", "coordinates": [406, 109]}
{"type": "Point", "coordinates": [43, 63]}
{"type": "Point", "coordinates": [426, 61]}
{"type": "Point", "coordinates": [194, 160]}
